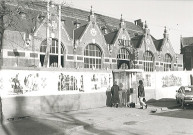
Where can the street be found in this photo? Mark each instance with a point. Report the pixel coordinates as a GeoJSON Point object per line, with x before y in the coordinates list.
{"type": "Point", "coordinates": [169, 119]}
{"type": "Point", "coordinates": [132, 121]}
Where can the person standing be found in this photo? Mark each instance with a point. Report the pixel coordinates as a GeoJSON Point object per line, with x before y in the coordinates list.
{"type": "Point", "coordinates": [141, 95]}
{"type": "Point", "coordinates": [115, 94]}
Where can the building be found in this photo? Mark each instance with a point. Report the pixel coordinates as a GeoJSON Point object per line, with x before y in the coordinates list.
{"type": "Point", "coordinates": [33, 36]}
{"type": "Point", "coordinates": [50, 58]}
{"type": "Point", "coordinates": [187, 51]}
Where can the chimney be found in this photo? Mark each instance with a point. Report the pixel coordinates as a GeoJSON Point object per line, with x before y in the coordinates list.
{"type": "Point", "coordinates": [77, 24]}
{"type": "Point", "coordinates": [139, 23]}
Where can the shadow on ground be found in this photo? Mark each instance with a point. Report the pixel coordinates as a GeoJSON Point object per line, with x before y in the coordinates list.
{"type": "Point", "coordinates": [173, 109]}
{"type": "Point", "coordinates": [49, 124]}
{"type": "Point", "coordinates": [69, 119]}
{"type": "Point", "coordinates": [185, 114]}
{"type": "Point", "coordinates": [164, 102]}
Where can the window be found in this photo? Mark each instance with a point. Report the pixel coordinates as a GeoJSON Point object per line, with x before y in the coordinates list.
{"type": "Point", "coordinates": [123, 54]}
{"type": "Point", "coordinates": [53, 47]}
{"type": "Point", "coordinates": [92, 56]}
{"type": "Point", "coordinates": [124, 66]}
{"type": "Point", "coordinates": [53, 55]}
{"type": "Point", "coordinates": [167, 62]}
{"type": "Point", "coordinates": [148, 62]}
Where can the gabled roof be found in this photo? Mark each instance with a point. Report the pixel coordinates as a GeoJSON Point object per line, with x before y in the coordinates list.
{"type": "Point", "coordinates": [158, 44]}
{"type": "Point", "coordinates": [136, 41]}
{"type": "Point", "coordinates": [69, 14]}
{"type": "Point", "coordinates": [187, 41]}
{"type": "Point", "coordinates": [79, 31]}
{"type": "Point", "coordinates": [110, 38]}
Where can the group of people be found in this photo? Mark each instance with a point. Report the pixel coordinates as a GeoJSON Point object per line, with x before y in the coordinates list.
{"type": "Point", "coordinates": [141, 95]}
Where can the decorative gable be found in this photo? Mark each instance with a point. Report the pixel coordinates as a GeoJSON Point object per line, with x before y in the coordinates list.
{"type": "Point", "coordinates": [53, 28]}
{"type": "Point", "coordinates": [166, 46]}
{"type": "Point", "coordinates": [147, 43]}
{"type": "Point", "coordinates": [89, 33]}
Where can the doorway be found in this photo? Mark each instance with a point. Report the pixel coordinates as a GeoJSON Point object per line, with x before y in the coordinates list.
{"type": "Point", "coordinates": [53, 60]}
{"type": "Point", "coordinates": [123, 64]}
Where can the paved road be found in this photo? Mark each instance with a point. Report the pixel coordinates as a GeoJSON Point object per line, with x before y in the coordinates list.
{"type": "Point", "coordinates": [169, 119]}
{"type": "Point", "coordinates": [132, 121]}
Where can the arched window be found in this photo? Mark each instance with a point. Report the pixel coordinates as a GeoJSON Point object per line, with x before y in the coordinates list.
{"type": "Point", "coordinates": [148, 61]}
{"type": "Point", "coordinates": [123, 54]}
{"type": "Point", "coordinates": [53, 58]}
{"type": "Point", "coordinates": [167, 62]}
{"type": "Point", "coordinates": [53, 47]}
{"type": "Point", "coordinates": [92, 56]}
{"type": "Point", "coordinates": [123, 59]}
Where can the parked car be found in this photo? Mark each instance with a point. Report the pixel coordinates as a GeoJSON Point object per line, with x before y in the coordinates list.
{"type": "Point", "coordinates": [184, 95]}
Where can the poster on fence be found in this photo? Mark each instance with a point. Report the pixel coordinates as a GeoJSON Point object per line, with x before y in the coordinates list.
{"type": "Point", "coordinates": [35, 83]}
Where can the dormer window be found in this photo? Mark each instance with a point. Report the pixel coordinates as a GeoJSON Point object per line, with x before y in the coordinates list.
{"type": "Point", "coordinates": [104, 29]}
{"type": "Point", "coordinates": [41, 17]}
{"type": "Point", "coordinates": [63, 22]}
{"type": "Point", "coordinates": [76, 24]}
{"type": "Point", "coordinates": [22, 15]}
{"type": "Point", "coordinates": [136, 34]}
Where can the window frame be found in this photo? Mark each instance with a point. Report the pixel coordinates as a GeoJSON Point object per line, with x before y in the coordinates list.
{"type": "Point", "coordinates": [92, 56]}
{"type": "Point", "coordinates": [167, 62]}
{"type": "Point", "coordinates": [148, 64]}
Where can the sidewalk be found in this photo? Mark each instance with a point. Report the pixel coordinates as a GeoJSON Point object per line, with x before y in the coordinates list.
{"type": "Point", "coordinates": [74, 122]}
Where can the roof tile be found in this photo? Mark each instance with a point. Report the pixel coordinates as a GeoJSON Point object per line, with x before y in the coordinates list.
{"type": "Point", "coordinates": [158, 44]}
{"type": "Point", "coordinates": [136, 41]}
{"type": "Point", "coordinates": [79, 31]}
{"type": "Point", "coordinates": [111, 37]}
{"type": "Point", "coordinates": [69, 14]}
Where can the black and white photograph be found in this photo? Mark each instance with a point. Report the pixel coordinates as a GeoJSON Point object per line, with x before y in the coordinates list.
{"type": "Point", "coordinates": [96, 67]}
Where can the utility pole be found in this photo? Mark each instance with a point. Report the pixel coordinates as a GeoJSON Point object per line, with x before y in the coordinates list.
{"type": "Point", "coordinates": [47, 55]}
{"type": "Point", "coordinates": [59, 36]}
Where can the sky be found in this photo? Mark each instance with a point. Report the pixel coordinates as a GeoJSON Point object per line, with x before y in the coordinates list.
{"type": "Point", "coordinates": [176, 15]}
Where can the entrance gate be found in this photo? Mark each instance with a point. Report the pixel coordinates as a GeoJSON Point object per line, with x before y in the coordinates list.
{"type": "Point", "coordinates": [128, 83]}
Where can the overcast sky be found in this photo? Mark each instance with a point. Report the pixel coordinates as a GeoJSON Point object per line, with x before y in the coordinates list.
{"type": "Point", "coordinates": [176, 15]}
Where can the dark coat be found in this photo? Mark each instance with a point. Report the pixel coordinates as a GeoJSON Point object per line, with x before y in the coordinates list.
{"type": "Point", "coordinates": [141, 91]}
{"type": "Point", "coordinates": [115, 93]}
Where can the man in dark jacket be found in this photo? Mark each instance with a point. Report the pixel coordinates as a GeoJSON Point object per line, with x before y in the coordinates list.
{"type": "Point", "coordinates": [115, 94]}
{"type": "Point", "coordinates": [141, 95]}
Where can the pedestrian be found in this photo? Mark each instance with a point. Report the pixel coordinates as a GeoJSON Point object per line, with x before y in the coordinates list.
{"type": "Point", "coordinates": [141, 95]}
{"type": "Point", "coordinates": [115, 94]}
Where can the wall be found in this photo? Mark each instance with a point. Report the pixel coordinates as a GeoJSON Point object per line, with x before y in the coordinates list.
{"type": "Point", "coordinates": [31, 92]}
{"type": "Point", "coordinates": [160, 85]}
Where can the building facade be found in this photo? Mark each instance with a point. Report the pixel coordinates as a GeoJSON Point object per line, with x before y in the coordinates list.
{"type": "Point", "coordinates": [187, 51]}
{"type": "Point", "coordinates": [42, 35]}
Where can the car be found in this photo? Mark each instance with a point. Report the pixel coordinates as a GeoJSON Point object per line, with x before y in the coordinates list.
{"type": "Point", "coordinates": [184, 95]}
